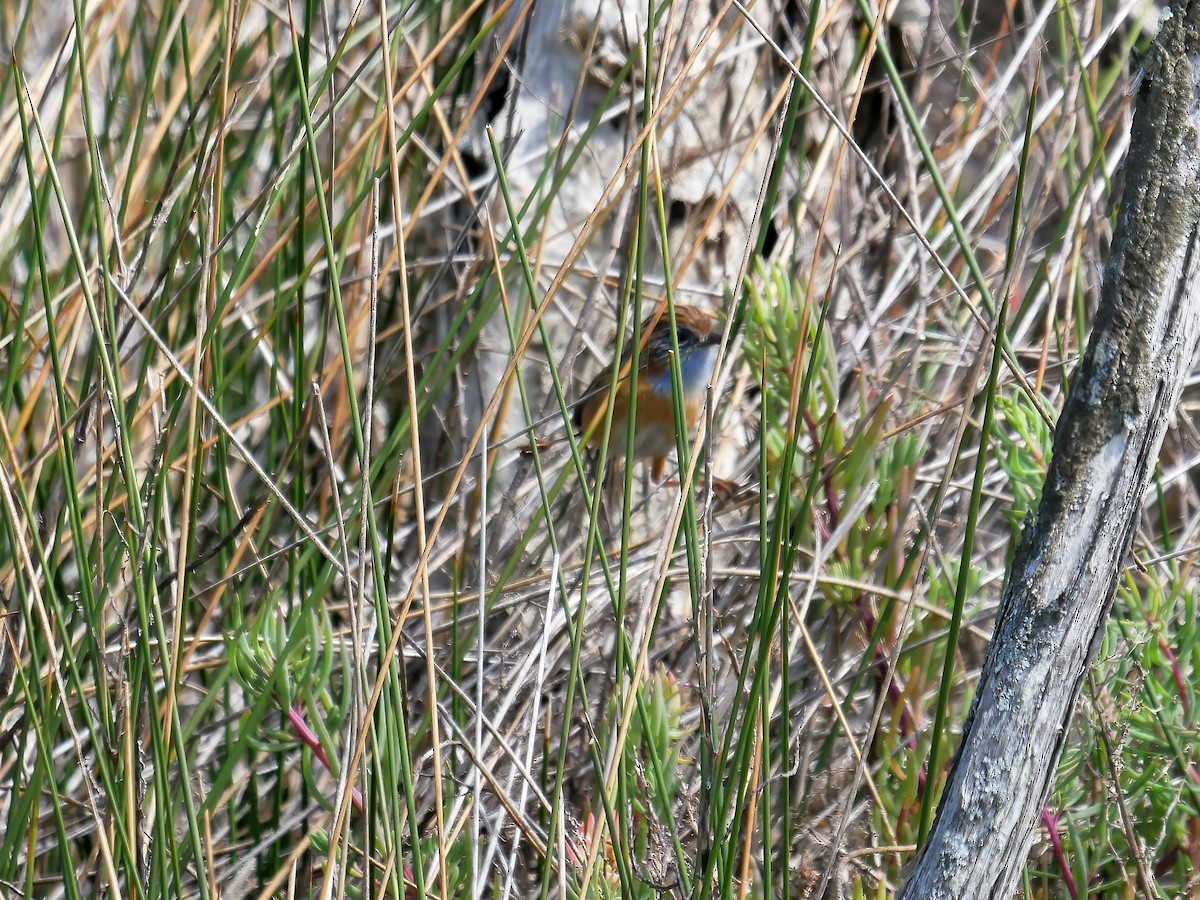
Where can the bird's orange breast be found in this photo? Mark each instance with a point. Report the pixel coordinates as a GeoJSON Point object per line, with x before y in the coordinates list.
{"type": "Point", "coordinates": [654, 426]}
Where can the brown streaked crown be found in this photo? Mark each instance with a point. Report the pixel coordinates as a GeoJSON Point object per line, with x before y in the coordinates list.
{"type": "Point", "coordinates": [694, 328]}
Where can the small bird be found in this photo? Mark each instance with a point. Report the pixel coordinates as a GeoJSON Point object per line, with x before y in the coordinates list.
{"type": "Point", "coordinates": [654, 427]}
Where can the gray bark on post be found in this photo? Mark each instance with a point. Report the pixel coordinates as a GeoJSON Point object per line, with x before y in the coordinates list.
{"type": "Point", "coordinates": [1072, 553]}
